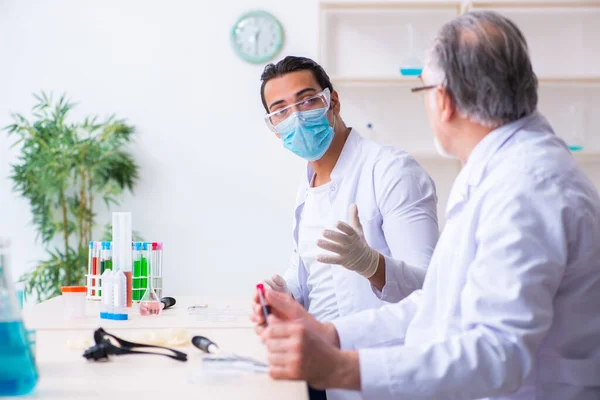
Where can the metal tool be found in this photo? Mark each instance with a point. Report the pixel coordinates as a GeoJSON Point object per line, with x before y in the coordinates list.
{"type": "Point", "coordinates": [215, 354]}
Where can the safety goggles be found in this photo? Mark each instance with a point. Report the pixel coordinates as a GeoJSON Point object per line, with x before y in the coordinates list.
{"type": "Point", "coordinates": [320, 101]}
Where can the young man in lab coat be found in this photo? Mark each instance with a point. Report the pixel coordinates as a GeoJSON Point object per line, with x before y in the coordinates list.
{"type": "Point", "coordinates": [346, 175]}
{"type": "Point", "coordinates": [510, 306]}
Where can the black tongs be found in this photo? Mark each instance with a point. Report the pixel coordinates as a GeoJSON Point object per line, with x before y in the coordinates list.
{"type": "Point", "coordinates": [104, 347]}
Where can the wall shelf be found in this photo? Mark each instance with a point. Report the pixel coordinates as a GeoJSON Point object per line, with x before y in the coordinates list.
{"type": "Point", "coordinates": [532, 4]}
{"type": "Point", "coordinates": [386, 5]}
{"type": "Point", "coordinates": [587, 156]}
{"type": "Point", "coordinates": [569, 80]}
{"type": "Point", "coordinates": [409, 81]}
{"type": "Point", "coordinates": [405, 81]}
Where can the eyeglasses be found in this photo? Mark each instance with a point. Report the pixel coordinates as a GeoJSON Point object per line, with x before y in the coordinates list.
{"type": "Point", "coordinates": [422, 88]}
{"type": "Point", "coordinates": [319, 101]}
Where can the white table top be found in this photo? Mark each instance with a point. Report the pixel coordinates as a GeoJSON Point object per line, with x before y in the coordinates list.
{"type": "Point", "coordinates": [65, 374]}
{"type": "Point", "coordinates": [222, 312]}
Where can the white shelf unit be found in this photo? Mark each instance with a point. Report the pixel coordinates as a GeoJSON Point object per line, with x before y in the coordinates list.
{"type": "Point", "coordinates": [564, 41]}
{"type": "Point", "coordinates": [362, 46]}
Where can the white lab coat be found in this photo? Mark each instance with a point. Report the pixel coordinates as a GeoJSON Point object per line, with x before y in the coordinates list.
{"type": "Point", "coordinates": [397, 207]}
{"type": "Point", "coordinates": [510, 308]}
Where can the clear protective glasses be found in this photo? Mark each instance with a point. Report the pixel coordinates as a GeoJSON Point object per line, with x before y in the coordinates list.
{"type": "Point", "coordinates": [321, 100]}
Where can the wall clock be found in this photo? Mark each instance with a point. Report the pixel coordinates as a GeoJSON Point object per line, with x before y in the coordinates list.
{"type": "Point", "coordinates": [257, 36]}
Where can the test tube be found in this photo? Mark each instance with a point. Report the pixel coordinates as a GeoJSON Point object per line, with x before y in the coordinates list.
{"type": "Point", "coordinates": [146, 254]}
{"type": "Point", "coordinates": [106, 258]}
{"type": "Point", "coordinates": [105, 261]}
{"type": "Point", "coordinates": [95, 255]}
{"type": "Point", "coordinates": [90, 269]}
{"type": "Point", "coordinates": [156, 271]}
{"type": "Point", "coordinates": [122, 254]}
{"type": "Point", "coordinates": [137, 270]}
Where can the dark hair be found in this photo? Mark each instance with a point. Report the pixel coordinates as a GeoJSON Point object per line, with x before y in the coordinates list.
{"type": "Point", "coordinates": [293, 64]}
{"type": "Point", "coordinates": [485, 61]}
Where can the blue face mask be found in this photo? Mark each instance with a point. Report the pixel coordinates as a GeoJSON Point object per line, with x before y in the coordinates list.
{"type": "Point", "coordinates": [306, 134]}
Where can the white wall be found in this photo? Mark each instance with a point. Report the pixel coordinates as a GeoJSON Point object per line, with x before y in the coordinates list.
{"type": "Point", "coordinates": [215, 186]}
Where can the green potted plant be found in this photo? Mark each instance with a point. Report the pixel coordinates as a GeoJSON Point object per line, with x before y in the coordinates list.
{"type": "Point", "coordinates": [63, 167]}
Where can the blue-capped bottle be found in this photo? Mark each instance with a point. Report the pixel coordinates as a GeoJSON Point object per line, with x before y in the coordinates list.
{"type": "Point", "coordinates": [18, 373]}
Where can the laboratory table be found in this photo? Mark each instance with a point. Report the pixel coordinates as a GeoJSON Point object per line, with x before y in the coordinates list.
{"type": "Point", "coordinates": [220, 312]}
{"type": "Point", "coordinates": [65, 374]}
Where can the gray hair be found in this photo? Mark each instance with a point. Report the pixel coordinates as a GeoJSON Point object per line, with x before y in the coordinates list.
{"type": "Point", "coordinates": [482, 59]}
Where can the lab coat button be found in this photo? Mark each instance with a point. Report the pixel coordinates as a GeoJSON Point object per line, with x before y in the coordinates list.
{"type": "Point", "coordinates": [333, 188]}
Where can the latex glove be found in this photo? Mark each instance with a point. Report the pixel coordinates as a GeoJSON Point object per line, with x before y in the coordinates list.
{"type": "Point", "coordinates": [277, 283]}
{"type": "Point", "coordinates": [349, 247]}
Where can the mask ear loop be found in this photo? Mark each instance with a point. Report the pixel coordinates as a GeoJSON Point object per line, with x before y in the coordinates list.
{"type": "Point", "coordinates": [334, 117]}
{"type": "Point", "coordinates": [104, 348]}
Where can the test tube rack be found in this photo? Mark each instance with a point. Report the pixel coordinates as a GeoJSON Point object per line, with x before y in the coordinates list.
{"type": "Point", "coordinates": [147, 266]}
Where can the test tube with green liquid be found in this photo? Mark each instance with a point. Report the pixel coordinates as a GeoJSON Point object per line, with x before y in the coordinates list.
{"type": "Point", "coordinates": [137, 270]}
{"type": "Point", "coordinates": [146, 253]}
{"type": "Point", "coordinates": [105, 259]}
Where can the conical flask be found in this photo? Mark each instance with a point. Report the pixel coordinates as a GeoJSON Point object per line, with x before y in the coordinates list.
{"type": "Point", "coordinates": [412, 65]}
{"type": "Point", "coordinates": [18, 373]}
{"type": "Point", "coordinates": [150, 303]}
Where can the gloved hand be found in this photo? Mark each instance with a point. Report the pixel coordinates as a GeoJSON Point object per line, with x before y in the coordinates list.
{"type": "Point", "coordinates": [349, 246]}
{"type": "Point", "coordinates": [277, 283]}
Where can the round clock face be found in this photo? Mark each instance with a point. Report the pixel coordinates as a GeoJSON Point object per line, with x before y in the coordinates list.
{"type": "Point", "coordinates": [257, 36]}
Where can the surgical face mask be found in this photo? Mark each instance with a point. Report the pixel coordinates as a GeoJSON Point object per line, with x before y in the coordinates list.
{"type": "Point", "coordinates": [307, 134]}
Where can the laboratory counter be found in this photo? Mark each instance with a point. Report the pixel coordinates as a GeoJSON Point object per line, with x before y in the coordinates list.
{"type": "Point", "coordinates": [65, 374]}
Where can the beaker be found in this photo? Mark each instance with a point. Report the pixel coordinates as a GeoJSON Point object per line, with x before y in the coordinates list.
{"type": "Point", "coordinates": [18, 373]}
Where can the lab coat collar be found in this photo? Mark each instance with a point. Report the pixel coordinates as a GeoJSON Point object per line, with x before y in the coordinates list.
{"type": "Point", "coordinates": [473, 171]}
{"type": "Point", "coordinates": [344, 162]}
{"type": "Point", "coordinates": [489, 145]}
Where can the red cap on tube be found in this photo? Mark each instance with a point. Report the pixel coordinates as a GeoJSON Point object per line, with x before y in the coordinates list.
{"type": "Point", "coordinates": [261, 288]}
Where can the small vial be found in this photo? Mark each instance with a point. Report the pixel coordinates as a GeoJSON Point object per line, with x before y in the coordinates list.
{"type": "Point", "coordinates": [119, 296]}
{"type": "Point", "coordinates": [107, 308]}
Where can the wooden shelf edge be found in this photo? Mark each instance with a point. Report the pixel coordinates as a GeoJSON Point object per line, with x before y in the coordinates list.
{"type": "Point", "coordinates": [586, 155]}
{"type": "Point", "coordinates": [455, 5]}
{"type": "Point", "coordinates": [409, 80]}
{"type": "Point", "coordinates": [531, 4]}
{"type": "Point", "coordinates": [569, 80]}
{"type": "Point", "coordinates": [373, 81]}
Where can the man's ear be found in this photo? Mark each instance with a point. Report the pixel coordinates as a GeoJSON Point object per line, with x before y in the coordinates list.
{"type": "Point", "coordinates": [445, 104]}
{"type": "Point", "coordinates": [335, 102]}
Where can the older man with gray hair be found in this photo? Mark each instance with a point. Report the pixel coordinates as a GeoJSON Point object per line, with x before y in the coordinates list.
{"type": "Point", "coordinates": [509, 308]}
